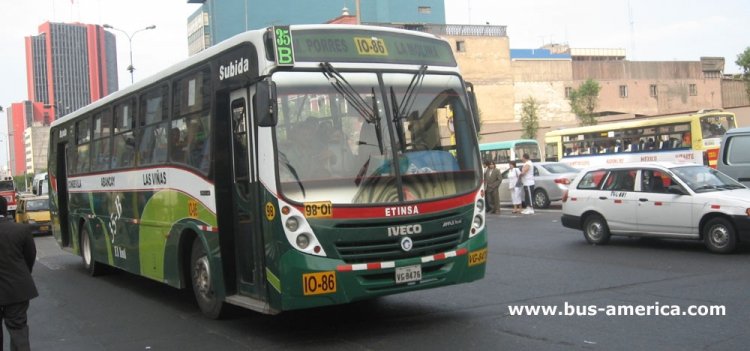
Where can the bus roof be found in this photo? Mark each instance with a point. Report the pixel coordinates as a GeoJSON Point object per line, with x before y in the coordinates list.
{"type": "Point", "coordinates": [504, 144]}
{"type": "Point", "coordinates": [641, 122]}
{"type": "Point", "coordinates": [255, 36]}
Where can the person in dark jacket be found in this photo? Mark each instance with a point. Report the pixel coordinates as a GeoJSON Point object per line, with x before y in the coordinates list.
{"type": "Point", "coordinates": [17, 255]}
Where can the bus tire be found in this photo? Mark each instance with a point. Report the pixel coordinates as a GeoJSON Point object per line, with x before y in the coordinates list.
{"type": "Point", "coordinates": [719, 236]}
{"type": "Point", "coordinates": [541, 199]}
{"type": "Point", "coordinates": [89, 263]}
{"type": "Point", "coordinates": [200, 277]}
{"type": "Point", "coordinates": [596, 230]}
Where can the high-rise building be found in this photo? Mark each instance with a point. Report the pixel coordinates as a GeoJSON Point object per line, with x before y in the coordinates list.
{"type": "Point", "coordinates": [23, 116]}
{"type": "Point", "coordinates": [70, 65]}
{"type": "Point", "coordinates": [217, 20]}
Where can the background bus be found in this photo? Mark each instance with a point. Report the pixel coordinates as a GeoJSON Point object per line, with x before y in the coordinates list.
{"type": "Point", "coordinates": [8, 190]}
{"type": "Point", "coordinates": [691, 138]}
{"type": "Point", "coordinates": [285, 168]}
{"type": "Point", "coordinates": [503, 151]}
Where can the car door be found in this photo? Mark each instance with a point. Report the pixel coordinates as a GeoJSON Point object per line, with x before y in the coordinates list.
{"type": "Point", "coordinates": [617, 201]}
{"type": "Point", "coordinates": [660, 212]}
{"type": "Point", "coordinates": [504, 191]}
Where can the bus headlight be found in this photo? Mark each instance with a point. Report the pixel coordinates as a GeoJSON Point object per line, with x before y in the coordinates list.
{"type": "Point", "coordinates": [298, 231]}
{"type": "Point", "coordinates": [480, 205]}
{"type": "Point", "coordinates": [303, 241]}
{"type": "Point", "coordinates": [292, 224]}
{"type": "Point", "coordinates": [478, 221]}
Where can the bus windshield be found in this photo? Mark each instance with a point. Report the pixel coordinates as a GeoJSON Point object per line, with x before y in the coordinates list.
{"type": "Point", "coordinates": [6, 185]}
{"type": "Point", "coordinates": [337, 138]}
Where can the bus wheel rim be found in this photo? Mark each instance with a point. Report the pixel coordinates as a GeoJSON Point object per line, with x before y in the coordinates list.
{"type": "Point", "coordinates": [202, 277]}
{"type": "Point", "coordinates": [86, 249]}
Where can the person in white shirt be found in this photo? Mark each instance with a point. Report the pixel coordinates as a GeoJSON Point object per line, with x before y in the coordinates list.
{"type": "Point", "coordinates": [515, 191]}
{"type": "Point", "coordinates": [527, 175]}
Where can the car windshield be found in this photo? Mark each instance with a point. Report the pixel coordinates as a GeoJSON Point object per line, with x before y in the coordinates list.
{"type": "Point", "coordinates": [704, 179]}
{"type": "Point", "coordinates": [559, 168]}
{"type": "Point", "coordinates": [37, 205]}
{"type": "Point", "coordinates": [338, 136]}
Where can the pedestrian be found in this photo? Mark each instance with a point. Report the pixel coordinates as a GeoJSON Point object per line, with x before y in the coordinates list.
{"type": "Point", "coordinates": [17, 255]}
{"type": "Point", "coordinates": [492, 180]}
{"type": "Point", "coordinates": [515, 188]}
{"type": "Point", "coordinates": [527, 175]}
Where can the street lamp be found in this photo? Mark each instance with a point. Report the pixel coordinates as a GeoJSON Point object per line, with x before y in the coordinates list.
{"type": "Point", "coordinates": [130, 44]}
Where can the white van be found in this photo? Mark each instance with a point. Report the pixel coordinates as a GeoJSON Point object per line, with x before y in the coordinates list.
{"type": "Point", "coordinates": [734, 155]}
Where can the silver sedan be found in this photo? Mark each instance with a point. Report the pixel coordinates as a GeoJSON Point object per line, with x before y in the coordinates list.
{"type": "Point", "coordinates": [551, 180]}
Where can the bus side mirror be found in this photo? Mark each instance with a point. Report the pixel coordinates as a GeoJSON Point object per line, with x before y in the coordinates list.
{"type": "Point", "coordinates": [474, 106]}
{"type": "Point", "coordinates": [265, 103]}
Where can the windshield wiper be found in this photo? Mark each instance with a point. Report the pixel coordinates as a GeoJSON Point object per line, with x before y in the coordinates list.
{"type": "Point", "coordinates": [293, 171]}
{"type": "Point", "coordinates": [730, 186]}
{"type": "Point", "coordinates": [706, 187]}
{"type": "Point", "coordinates": [343, 87]}
{"type": "Point", "coordinates": [368, 111]}
{"type": "Point", "coordinates": [408, 100]}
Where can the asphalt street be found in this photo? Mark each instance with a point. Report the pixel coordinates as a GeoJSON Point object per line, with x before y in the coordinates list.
{"type": "Point", "coordinates": [533, 261]}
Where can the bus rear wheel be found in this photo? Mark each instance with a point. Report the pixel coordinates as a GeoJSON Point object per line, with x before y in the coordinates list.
{"type": "Point", "coordinates": [92, 267]}
{"type": "Point", "coordinates": [200, 276]}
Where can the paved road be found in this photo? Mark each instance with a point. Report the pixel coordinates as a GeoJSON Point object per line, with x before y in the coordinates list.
{"type": "Point", "coordinates": [533, 261]}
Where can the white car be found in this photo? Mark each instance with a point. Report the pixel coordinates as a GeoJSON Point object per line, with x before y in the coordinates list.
{"type": "Point", "coordinates": [659, 200]}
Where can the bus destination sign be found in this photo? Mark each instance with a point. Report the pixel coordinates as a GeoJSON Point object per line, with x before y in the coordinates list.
{"type": "Point", "coordinates": [325, 45]}
{"type": "Point", "coordinates": [282, 41]}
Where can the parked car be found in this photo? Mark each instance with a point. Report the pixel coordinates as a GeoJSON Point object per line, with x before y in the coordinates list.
{"type": "Point", "coordinates": [35, 211]}
{"type": "Point", "coordinates": [659, 200]}
{"type": "Point", "coordinates": [551, 180]}
{"type": "Point", "coordinates": [734, 158]}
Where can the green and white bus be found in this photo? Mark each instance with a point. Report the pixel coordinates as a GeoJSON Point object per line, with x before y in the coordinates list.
{"type": "Point", "coordinates": [285, 168]}
{"type": "Point", "coordinates": [502, 152]}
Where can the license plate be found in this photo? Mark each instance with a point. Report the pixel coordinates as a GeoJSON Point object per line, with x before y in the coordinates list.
{"type": "Point", "coordinates": [319, 283]}
{"type": "Point", "coordinates": [44, 228]}
{"type": "Point", "coordinates": [477, 257]}
{"type": "Point", "coordinates": [408, 274]}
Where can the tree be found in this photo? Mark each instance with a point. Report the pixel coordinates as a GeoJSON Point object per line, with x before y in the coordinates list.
{"type": "Point", "coordinates": [743, 60]}
{"type": "Point", "coordinates": [529, 118]}
{"type": "Point", "coordinates": [584, 100]}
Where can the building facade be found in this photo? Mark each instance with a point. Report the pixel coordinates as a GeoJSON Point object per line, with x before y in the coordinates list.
{"type": "Point", "coordinates": [217, 20]}
{"type": "Point", "coordinates": [70, 65]}
{"type": "Point", "coordinates": [20, 117]}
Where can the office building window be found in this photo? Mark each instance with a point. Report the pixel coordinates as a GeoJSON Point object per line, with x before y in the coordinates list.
{"type": "Point", "coordinates": [568, 90]}
{"type": "Point", "coordinates": [623, 91]}
{"type": "Point", "coordinates": [693, 90]}
{"type": "Point", "coordinates": [424, 10]}
{"type": "Point", "coordinates": [652, 91]}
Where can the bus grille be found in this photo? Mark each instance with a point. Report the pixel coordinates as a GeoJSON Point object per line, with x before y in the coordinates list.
{"type": "Point", "coordinates": [390, 248]}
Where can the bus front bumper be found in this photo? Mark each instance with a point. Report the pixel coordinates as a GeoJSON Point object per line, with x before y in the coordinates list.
{"type": "Point", "coordinates": [354, 282]}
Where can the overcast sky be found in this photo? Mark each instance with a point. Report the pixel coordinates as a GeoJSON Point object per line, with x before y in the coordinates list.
{"type": "Point", "coordinates": [649, 30]}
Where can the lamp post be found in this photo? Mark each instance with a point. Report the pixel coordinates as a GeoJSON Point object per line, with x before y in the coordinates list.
{"type": "Point", "coordinates": [130, 44]}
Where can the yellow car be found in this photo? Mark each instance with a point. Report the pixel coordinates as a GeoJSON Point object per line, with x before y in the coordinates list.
{"type": "Point", "coordinates": [34, 211]}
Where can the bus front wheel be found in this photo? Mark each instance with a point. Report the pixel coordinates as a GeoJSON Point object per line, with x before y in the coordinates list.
{"type": "Point", "coordinates": [200, 276]}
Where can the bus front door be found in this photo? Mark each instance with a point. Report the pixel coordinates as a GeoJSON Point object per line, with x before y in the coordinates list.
{"type": "Point", "coordinates": [246, 223]}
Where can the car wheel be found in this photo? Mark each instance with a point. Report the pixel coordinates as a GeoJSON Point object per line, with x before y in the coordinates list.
{"type": "Point", "coordinates": [541, 199]}
{"type": "Point", "coordinates": [595, 230]}
{"type": "Point", "coordinates": [94, 268]}
{"type": "Point", "coordinates": [200, 276]}
{"type": "Point", "coordinates": [719, 235]}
